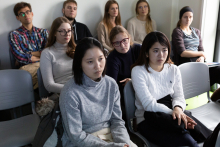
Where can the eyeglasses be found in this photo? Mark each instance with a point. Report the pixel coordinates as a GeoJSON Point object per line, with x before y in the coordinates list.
{"type": "Point", "coordinates": [64, 32]}
{"type": "Point", "coordinates": [140, 7]}
{"type": "Point", "coordinates": [24, 13]}
{"type": "Point", "coordinates": [118, 43]}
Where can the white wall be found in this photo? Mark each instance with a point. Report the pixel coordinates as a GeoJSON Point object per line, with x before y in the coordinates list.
{"type": "Point", "coordinates": [90, 12]}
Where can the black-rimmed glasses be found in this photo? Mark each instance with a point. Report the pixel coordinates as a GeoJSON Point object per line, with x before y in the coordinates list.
{"type": "Point", "coordinates": [64, 32]}
{"type": "Point", "coordinates": [24, 13]}
{"type": "Point", "coordinates": [118, 43]}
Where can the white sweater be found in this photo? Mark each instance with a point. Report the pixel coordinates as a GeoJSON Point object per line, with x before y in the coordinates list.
{"type": "Point", "coordinates": [136, 29]}
{"type": "Point", "coordinates": [150, 87]}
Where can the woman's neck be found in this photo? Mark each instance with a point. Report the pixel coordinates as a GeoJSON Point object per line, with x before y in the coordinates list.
{"type": "Point", "coordinates": [185, 28]}
{"type": "Point", "coordinates": [157, 68]}
{"type": "Point", "coordinates": [112, 20]}
{"type": "Point", "coordinates": [142, 17]}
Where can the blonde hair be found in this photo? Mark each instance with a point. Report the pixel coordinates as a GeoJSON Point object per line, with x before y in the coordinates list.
{"type": "Point", "coordinates": [149, 25]}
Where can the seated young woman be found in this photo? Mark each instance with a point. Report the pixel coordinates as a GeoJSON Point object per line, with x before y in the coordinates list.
{"type": "Point", "coordinates": [187, 44]}
{"type": "Point", "coordinates": [90, 102]}
{"type": "Point", "coordinates": [124, 54]}
{"type": "Point", "coordinates": [159, 97]}
{"type": "Point", "coordinates": [111, 18]}
{"type": "Point", "coordinates": [57, 58]}
{"type": "Point", "coordinates": [142, 24]}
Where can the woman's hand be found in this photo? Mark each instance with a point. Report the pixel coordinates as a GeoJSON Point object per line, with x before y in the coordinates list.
{"type": "Point", "coordinates": [202, 54]}
{"type": "Point", "coordinates": [190, 123]}
{"type": "Point", "coordinates": [200, 59]}
{"type": "Point", "coordinates": [125, 80]}
{"type": "Point", "coordinates": [126, 145]}
{"type": "Point", "coordinates": [178, 113]}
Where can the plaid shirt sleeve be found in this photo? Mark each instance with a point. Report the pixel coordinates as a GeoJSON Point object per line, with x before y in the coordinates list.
{"type": "Point", "coordinates": [16, 49]}
{"type": "Point", "coordinates": [45, 37]}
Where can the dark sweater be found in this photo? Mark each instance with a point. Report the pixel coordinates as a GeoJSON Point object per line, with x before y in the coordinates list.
{"type": "Point", "coordinates": [179, 46]}
{"type": "Point", "coordinates": [80, 31]}
{"type": "Point", "coordinates": [119, 65]}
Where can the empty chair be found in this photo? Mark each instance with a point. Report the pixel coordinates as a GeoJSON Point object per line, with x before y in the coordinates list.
{"type": "Point", "coordinates": [16, 90]}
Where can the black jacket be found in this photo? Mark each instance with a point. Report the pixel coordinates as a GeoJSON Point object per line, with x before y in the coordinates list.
{"type": "Point", "coordinates": [80, 31]}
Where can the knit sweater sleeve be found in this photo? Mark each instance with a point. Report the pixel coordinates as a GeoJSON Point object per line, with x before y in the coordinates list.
{"type": "Point", "coordinates": [177, 41]}
{"type": "Point", "coordinates": [139, 81]}
{"type": "Point", "coordinates": [103, 35]}
{"type": "Point", "coordinates": [178, 96]}
{"type": "Point", "coordinates": [118, 130]}
{"type": "Point", "coordinates": [72, 120]}
{"type": "Point", "coordinates": [200, 47]}
{"type": "Point", "coordinates": [47, 72]}
{"type": "Point", "coordinates": [112, 66]}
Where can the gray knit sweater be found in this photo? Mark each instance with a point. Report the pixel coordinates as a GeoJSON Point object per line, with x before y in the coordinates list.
{"type": "Point", "coordinates": [56, 67]}
{"type": "Point", "coordinates": [88, 108]}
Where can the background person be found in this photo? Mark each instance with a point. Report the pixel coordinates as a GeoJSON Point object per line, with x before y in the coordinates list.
{"type": "Point", "coordinates": [142, 24]}
{"type": "Point", "coordinates": [111, 18]}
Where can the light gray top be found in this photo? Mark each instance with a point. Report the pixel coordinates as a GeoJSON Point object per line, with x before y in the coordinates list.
{"type": "Point", "coordinates": [56, 67]}
{"type": "Point", "coordinates": [91, 107]}
{"type": "Point", "coordinates": [136, 28]}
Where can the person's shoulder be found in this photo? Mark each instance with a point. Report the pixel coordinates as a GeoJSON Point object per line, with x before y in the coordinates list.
{"type": "Point", "coordinates": [172, 67]}
{"type": "Point", "coordinates": [81, 24]}
{"type": "Point", "coordinates": [132, 20]}
{"type": "Point", "coordinates": [110, 80]}
{"type": "Point", "coordinates": [112, 54]}
{"type": "Point", "coordinates": [136, 46]}
{"type": "Point", "coordinates": [70, 86]}
{"type": "Point", "coordinates": [40, 30]}
{"type": "Point", "coordinates": [138, 69]}
{"type": "Point", "coordinates": [177, 31]}
{"type": "Point", "coordinates": [16, 31]}
{"type": "Point", "coordinates": [196, 30]}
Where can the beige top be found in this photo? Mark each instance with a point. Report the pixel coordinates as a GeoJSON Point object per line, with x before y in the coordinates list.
{"type": "Point", "coordinates": [136, 29]}
{"type": "Point", "coordinates": [103, 36]}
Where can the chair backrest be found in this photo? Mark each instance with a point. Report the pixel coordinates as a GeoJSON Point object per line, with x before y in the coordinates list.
{"type": "Point", "coordinates": [16, 88]}
{"type": "Point", "coordinates": [129, 99]}
{"type": "Point", "coordinates": [42, 90]}
{"type": "Point", "coordinates": [195, 78]}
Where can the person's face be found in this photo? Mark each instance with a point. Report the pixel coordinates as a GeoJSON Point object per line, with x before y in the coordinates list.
{"type": "Point", "coordinates": [25, 16]}
{"type": "Point", "coordinates": [121, 43]}
{"type": "Point", "coordinates": [142, 9]}
{"type": "Point", "coordinates": [187, 19]}
{"type": "Point", "coordinates": [113, 10]}
{"type": "Point", "coordinates": [70, 11]}
{"type": "Point", "coordinates": [63, 34]}
{"type": "Point", "coordinates": [93, 63]}
{"type": "Point", "coordinates": [157, 54]}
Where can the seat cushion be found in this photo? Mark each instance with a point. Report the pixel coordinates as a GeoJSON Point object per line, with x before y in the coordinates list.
{"type": "Point", "coordinates": [20, 131]}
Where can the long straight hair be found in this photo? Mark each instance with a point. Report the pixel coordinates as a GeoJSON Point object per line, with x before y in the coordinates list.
{"type": "Point", "coordinates": [149, 25]}
{"type": "Point", "coordinates": [106, 18]}
{"type": "Point", "coordinates": [52, 38]}
{"type": "Point", "coordinates": [148, 42]}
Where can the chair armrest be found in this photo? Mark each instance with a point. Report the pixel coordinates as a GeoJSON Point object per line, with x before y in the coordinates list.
{"type": "Point", "coordinates": [217, 144]}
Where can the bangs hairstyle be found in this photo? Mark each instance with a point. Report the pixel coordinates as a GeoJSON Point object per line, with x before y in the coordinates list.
{"type": "Point", "coordinates": [106, 19]}
{"type": "Point", "coordinates": [21, 5]}
{"type": "Point", "coordinates": [69, 1]}
{"type": "Point", "coordinates": [119, 29]}
{"type": "Point", "coordinates": [81, 48]}
{"type": "Point", "coordinates": [148, 42]}
{"type": "Point", "coordinates": [148, 26]}
{"type": "Point", "coordinates": [52, 38]}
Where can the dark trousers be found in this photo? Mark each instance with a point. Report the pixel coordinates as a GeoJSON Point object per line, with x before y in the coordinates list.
{"type": "Point", "coordinates": [214, 75]}
{"type": "Point", "coordinates": [161, 129]}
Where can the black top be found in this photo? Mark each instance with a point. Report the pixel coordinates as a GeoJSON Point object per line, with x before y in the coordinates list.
{"type": "Point", "coordinates": [80, 31]}
{"type": "Point", "coordinates": [119, 65]}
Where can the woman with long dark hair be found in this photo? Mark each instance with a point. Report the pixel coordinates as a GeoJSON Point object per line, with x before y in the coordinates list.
{"type": "Point", "coordinates": [90, 102]}
{"type": "Point", "coordinates": [142, 24]}
{"type": "Point", "coordinates": [159, 97]}
{"type": "Point", "coordinates": [111, 18]}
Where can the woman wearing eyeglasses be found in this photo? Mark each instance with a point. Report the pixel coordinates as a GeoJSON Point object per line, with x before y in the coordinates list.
{"type": "Point", "coordinates": [57, 58]}
{"type": "Point", "coordinates": [124, 54]}
{"type": "Point", "coordinates": [142, 24]}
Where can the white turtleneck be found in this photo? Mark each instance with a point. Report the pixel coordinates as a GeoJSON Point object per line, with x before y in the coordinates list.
{"type": "Point", "coordinates": [56, 67]}
{"type": "Point", "coordinates": [150, 87]}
